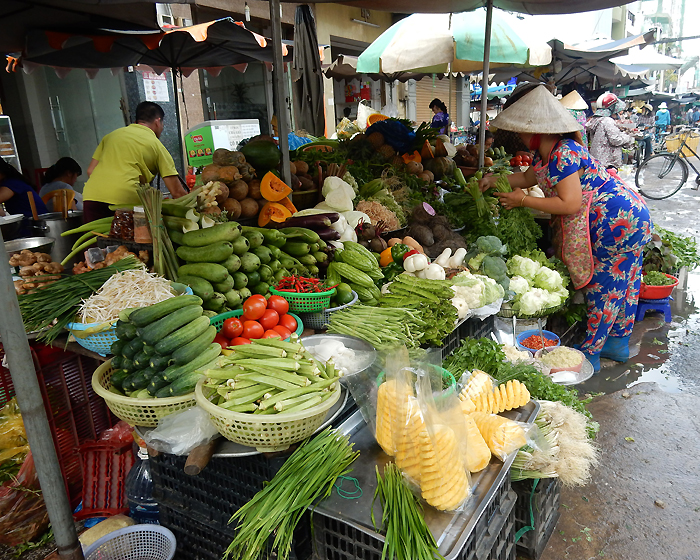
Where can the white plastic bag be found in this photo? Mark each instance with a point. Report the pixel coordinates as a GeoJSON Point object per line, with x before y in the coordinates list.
{"type": "Point", "coordinates": [178, 434]}
{"type": "Point", "coordinates": [363, 113]}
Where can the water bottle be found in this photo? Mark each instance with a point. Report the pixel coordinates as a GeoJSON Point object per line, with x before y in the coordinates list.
{"type": "Point", "coordinates": [139, 491]}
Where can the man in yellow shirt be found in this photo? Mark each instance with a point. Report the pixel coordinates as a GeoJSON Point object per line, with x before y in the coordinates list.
{"type": "Point", "coordinates": [124, 156]}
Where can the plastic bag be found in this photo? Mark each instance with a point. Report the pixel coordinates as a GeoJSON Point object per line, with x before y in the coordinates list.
{"type": "Point", "coordinates": [178, 434]}
{"type": "Point", "coordinates": [363, 113]}
{"type": "Point", "coordinates": [390, 110]}
{"type": "Point", "coordinates": [346, 129]}
{"type": "Point", "coordinates": [13, 440]}
{"type": "Point", "coordinates": [120, 433]}
{"type": "Point", "coordinates": [23, 514]}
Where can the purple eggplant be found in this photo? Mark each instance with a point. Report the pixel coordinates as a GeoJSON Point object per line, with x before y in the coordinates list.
{"type": "Point", "coordinates": [312, 221]}
{"type": "Point", "coordinates": [328, 234]}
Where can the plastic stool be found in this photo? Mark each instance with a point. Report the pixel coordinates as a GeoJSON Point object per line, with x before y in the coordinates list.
{"type": "Point", "coordinates": [661, 305]}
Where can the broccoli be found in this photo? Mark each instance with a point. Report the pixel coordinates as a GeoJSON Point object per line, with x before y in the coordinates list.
{"type": "Point", "coordinates": [490, 245]}
{"type": "Point", "coordinates": [494, 267]}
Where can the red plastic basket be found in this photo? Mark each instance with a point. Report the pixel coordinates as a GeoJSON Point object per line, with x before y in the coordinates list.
{"type": "Point", "coordinates": [657, 292]}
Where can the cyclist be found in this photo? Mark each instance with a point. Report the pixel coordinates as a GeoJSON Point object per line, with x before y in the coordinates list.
{"type": "Point", "coordinates": [605, 137]}
{"type": "Point", "coordinates": [645, 124]}
{"type": "Point", "coordinates": [663, 120]}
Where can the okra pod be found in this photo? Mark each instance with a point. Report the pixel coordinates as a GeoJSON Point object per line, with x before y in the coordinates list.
{"type": "Point", "coordinates": [268, 381]}
{"type": "Point", "coordinates": [286, 364]}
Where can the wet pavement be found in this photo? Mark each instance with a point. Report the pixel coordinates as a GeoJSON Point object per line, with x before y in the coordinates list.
{"type": "Point", "coordinates": [644, 501]}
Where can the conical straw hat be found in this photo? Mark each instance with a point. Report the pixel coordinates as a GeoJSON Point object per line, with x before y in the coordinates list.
{"type": "Point", "coordinates": [574, 101]}
{"type": "Point", "coordinates": [538, 112]}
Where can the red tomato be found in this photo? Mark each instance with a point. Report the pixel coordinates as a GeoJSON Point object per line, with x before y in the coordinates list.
{"type": "Point", "coordinates": [288, 322]}
{"type": "Point", "coordinates": [239, 340]}
{"type": "Point", "coordinates": [252, 329]}
{"type": "Point", "coordinates": [271, 334]}
{"type": "Point", "coordinates": [222, 340]}
{"type": "Point", "coordinates": [232, 327]}
{"type": "Point", "coordinates": [253, 308]}
{"type": "Point", "coordinates": [279, 304]}
{"type": "Point", "coordinates": [258, 297]}
{"type": "Point", "coordinates": [518, 160]}
{"type": "Point", "coordinates": [269, 319]}
{"type": "Point", "coordinates": [285, 333]}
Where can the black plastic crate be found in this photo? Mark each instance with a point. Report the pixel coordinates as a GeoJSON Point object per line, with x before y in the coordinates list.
{"type": "Point", "coordinates": [493, 537]}
{"type": "Point", "coordinates": [470, 328]}
{"type": "Point", "coordinates": [216, 493]}
{"type": "Point", "coordinates": [199, 540]}
{"type": "Point", "coordinates": [545, 514]}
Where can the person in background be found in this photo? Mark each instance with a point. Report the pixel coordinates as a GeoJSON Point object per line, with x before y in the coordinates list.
{"type": "Point", "coordinates": [663, 119]}
{"type": "Point", "coordinates": [601, 225]}
{"type": "Point", "coordinates": [577, 106]}
{"type": "Point", "coordinates": [606, 138]}
{"type": "Point", "coordinates": [124, 156]}
{"type": "Point", "coordinates": [62, 175]}
{"type": "Point", "coordinates": [695, 116]}
{"type": "Point", "coordinates": [645, 124]}
{"type": "Point", "coordinates": [441, 119]}
{"type": "Point", "coordinates": [15, 193]}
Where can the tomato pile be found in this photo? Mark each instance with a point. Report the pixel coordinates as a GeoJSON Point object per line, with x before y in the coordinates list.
{"type": "Point", "coordinates": [262, 318]}
{"type": "Point", "coordinates": [524, 159]}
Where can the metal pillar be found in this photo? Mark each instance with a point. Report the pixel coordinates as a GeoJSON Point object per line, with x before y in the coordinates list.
{"type": "Point", "coordinates": [278, 86]}
{"type": "Point", "coordinates": [21, 365]}
{"type": "Point", "coordinates": [485, 82]}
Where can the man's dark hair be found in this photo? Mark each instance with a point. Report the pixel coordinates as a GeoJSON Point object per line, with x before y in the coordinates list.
{"type": "Point", "coordinates": [147, 112]}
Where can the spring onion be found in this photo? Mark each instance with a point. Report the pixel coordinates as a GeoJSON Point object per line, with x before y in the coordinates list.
{"type": "Point", "coordinates": [407, 536]}
{"type": "Point", "coordinates": [309, 474]}
{"type": "Point", "coordinates": [164, 260]}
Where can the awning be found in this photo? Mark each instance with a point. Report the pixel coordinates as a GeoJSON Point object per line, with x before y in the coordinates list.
{"type": "Point", "coordinates": [344, 68]}
{"type": "Point", "coordinates": [641, 62]}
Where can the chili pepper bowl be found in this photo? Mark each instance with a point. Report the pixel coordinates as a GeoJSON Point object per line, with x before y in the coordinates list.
{"type": "Point", "coordinates": [549, 335]}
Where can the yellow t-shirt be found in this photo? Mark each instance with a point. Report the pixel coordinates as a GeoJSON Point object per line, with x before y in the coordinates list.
{"type": "Point", "coordinates": [124, 155]}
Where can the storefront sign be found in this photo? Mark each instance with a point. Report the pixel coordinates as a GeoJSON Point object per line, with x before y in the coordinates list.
{"type": "Point", "coordinates": [156, 86]}
{"type": "Point", "coordinates": [200, 147]}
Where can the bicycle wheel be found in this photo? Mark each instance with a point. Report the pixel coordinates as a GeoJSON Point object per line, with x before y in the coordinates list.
{"type": "Point", "coordinates": [661, 176]}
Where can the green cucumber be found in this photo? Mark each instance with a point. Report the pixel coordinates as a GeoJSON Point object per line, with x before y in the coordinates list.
{"type": "Point", "coordinates": [149, 350]}
{"type": "Point", "coordinates": [249, 262]}
{"type": "Point", "coordinates": [307, 260]}
{"type": "Point", "coordinates": [255, 238]}
{"type": "Point", "coordinates": [125, 331]}
{"type": "Point", "coordinates": [296, 249]}
{"type": "Point", "coordinates": [141, 360]}
{"type": "Point", "coordinates": [272, 236]}
{"type": "Point", "coordinates": [275, 265]}
{"type": "Point", "coordinates": [147, 315]}
{"type": "Point", "coordinates": [132, 348]}
{"type": "Point", "coordinates": [124, 314]}
{"type": "Point", "coordinates": [313, 247]}
{"type": "Point", "coordinates": [136, 381]}
{"type": "Point", "coordinates": [159, 362]}
{"type": "Point", "coordinates": [216, 303]}
{"type": "Point", "coordinates": [232, 264]}
{"type": "Point", "coordinates": [229, 231]}
{"type": "Point", "coordinates": [175, 236]}
{"type": "Point", "coordinates": [128, 365]}
{"type": "Point", "coordinates": [304, 234]}
{"type": "Point", "coordinates": [188, 352]}
{"type": "Point", "coordinates": [155, 332]}
{"type": "Point", "coordinates": [200, 287]}
{"type": "Point", "coordinates": [212, 272]}
{"type": "Point", "coordinates": [191, 330]}
{"type": "Point", "coordinates": [216, 252]}
{"type": "Point", "coordinates": [233, 298]}
{"type": "Point", "coordinates": [210, 354]}
{"type": "Point", "coordinates": [240, 246]}
{"type": "Point", "coordinates": [156, 383]}
{"type": "Point", "coordinates": [253, 278]}
{"type": "Point", "coordinates": [118, 377]}
{"type": "Point", "coordinates": [117, 347]}
{"type": "Point", "coordinates": [184, 384]}
{"type": "Point", "coordinates": [240, 280]}
{"type": "Point", "coordinates": [224, 286]}
{"type": "Point", "coordinates": [263, 253]}
{"type": "Point", "coordinates": [117, 361]}
{"type": "Point", "coordinates": [276, 252]}
{"type": "Point", "coordinates": [266, 273]}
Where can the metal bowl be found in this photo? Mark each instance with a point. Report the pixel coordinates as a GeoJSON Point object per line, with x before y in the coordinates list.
{"type": "Point", "coordinates": [10, 225]}
{"type": "Point", "coordinates": [365, 360]}
{"type": "Point", "coordinates": [34, 244]}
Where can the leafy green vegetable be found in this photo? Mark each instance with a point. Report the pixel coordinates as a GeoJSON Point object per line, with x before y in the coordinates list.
{"type": "Point", "coordinates": [483, 354]}
{"type": "Point", "coordinates": [655, 278]}
{"type": "Point", "coordinates": [685, 248]}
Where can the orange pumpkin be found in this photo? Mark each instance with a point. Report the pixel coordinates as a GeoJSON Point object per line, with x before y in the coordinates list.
{"type": "Point", "coordinates": [375, 117]}
{"type": "Point", "coordinates": [272, 211]}
{"type": "Point", "coordinates": [427, 151]}
{"type": "Point", "coordinates": [273, 188]}
{"type": "Point", "coordinates": [287, 203]}
{"type": "Point", "coordinates": [440, 150]}
{"type": "Point", "coordinates": [321, 148]}
{"type": "Point", "coordinates": [415, 156]}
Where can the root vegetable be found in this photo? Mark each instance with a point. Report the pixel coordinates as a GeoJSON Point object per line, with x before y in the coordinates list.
{"type": "Point", "coordinates": [413, 244]}
{"type": "Point", "coordinates": [393, 241]}
{"type": "Point", "coordinates": [440, 232]}
{"type": "Point", "coordinates": [239, 190]}
{"type": "Point", "coordinates": [249, 208]}
{"type": "Point", "coordinates": [423, 235]}
{"type": "Point", "coordinates": [233, 208]}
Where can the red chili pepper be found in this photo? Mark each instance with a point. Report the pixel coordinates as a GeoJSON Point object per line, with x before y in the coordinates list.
{"type": "Point", "coordinates": [534, 342]}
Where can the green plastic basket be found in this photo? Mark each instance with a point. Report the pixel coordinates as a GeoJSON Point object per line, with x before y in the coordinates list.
{"type": "Point", "coordinates": [218, 320]}
{"type": "Point", "coordinates": [306, 302]}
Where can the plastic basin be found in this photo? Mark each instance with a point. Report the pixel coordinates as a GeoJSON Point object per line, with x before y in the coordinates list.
{"type": "Point", "coordinates": [549, 335]}
{"type": "Point", "coordinates": [657, 292]}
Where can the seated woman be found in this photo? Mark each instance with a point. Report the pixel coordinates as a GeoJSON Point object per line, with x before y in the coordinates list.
{"type": "Point", "coordinates": [441, 119]}
{"type": "Point", "coordinates": [14, 194]}
{"type": "Point", "coordinates": [62, 175]}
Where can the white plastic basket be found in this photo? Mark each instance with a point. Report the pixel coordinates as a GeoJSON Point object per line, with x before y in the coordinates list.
{"type": "Point", "coordinates": [319, 321]}
{"type": "Point", "coordinates": [138, 542]}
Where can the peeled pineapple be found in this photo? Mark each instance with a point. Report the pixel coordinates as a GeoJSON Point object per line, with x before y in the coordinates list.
{"type": "Point", "coordinates": [479, 383]}
{"type": "Point", "coordinates": [478, 453]}
{"type": "Point", "coordinates": [506, 396]}
{"type": "Point", "coordinates": [503, 436]}
{"type": "Point", "coordinates": [390, 396]}
{"type": "Point", "coordinates": [408, 453]}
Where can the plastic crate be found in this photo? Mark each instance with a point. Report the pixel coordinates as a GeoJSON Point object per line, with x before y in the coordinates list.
{"type": "Point", "coordinates": [545, 514]}
{"type": "Point", "coordinates": [493, 537]}
{"type": "Point", "coordinates": [469, 328]}
{"type": "Point", "coordinates": [200, 540]}
{"type": "Point", "coordinates": [75, 413]}
{"type": "Point", "coordinates": [105, 466]}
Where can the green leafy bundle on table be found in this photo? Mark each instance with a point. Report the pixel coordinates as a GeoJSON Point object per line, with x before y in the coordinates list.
{"type": "Point", "coordinates": [668, 252]}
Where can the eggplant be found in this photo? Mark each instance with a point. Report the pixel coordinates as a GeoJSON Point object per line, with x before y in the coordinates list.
{"type": "Point", "coordinates": [312, 221]}
{"type": "Point", "coordinates": [328, 234]}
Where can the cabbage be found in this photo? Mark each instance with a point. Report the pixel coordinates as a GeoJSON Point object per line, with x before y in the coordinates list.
{"type": "Point", "coordinates": [519, 285]}
{"type": "Point", "coordinates": [532, 302]}
{"type": "Point", "coordinates": [492, 290]}
{"type": "Point", "coordinates": [521, 266]}
{"type": "Point", "coordinates": [331, 184]}
{"type": "Point", "coordinates": [548, 279]}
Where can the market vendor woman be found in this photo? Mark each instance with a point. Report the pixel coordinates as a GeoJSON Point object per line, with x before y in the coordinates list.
{"type": "Point", "coordinates": [600, 225]}
{"type": "Point", "coordinates": [122, 157]}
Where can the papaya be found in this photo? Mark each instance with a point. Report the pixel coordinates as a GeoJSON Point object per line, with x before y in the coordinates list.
{"type": "Point", "coordinates": [273, 211]}
{"type": "Point", "coordinates": [262, 154]}
{"type": "Point", "coordinates": [273, 188]}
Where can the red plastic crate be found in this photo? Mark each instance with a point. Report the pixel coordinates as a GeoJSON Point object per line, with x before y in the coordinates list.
{"type": "Point", "coordinates": [75, 413]}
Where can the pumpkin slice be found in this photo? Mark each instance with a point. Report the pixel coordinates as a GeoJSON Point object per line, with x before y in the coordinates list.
{"type": "Point", "coordinates": [415, 156]}
{"type": "Point", "coordinates": [273, 188]}
{"type": "Point", "coordinates": [375, 117]}
{"type": "Point", "coordinates": [427, 151]}
{"type": "Point", "coordinates": [272, 211]}
{"type": "Point", "coordinates": [440, 150]}
{"type": "Point", "coordinates": [321, 148]}
{"type": "Point", "coordinates": [287, 203]}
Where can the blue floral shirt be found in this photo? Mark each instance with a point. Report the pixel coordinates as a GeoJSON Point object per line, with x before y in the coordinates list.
{"type": "Point", "coordinates": [440, 121]}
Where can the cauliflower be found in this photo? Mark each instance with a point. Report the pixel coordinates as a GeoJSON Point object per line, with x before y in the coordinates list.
{"type": "Point", "coordinates": [492, 290]}
{"type": "Point", "coordinates": [521, 266]}
{"type": "Point", "coordinates": [519, 285]}
{"type": "Point", "coordinates": [470, 296]}
{"type": "Point", "coordinates": [548, 279]}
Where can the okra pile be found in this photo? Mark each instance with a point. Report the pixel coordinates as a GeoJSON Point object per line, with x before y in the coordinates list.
{"type": "Point", "coordinates": [270, 376]}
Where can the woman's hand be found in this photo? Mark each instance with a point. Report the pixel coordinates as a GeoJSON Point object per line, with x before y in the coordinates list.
{"type": "Point", "coordinates": [509, 200]}
{"type": "Point", "coordinates": [488, 181]}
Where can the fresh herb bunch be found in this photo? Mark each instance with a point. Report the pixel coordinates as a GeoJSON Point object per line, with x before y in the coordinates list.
{"type": "Point", "coordinates": [483, 354]}
{"type": "Point", "coordinates": [684, 248]}
{"type": "Point", "coordinates": [655, 278]}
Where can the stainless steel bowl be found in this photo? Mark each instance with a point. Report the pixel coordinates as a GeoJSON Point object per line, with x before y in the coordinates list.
{"type": "Point", "coordinates": [34, 244]}
{"type": "Point", "coordinates": [10, 225]}
{"type": "Point", "coordinates": [365, 359]}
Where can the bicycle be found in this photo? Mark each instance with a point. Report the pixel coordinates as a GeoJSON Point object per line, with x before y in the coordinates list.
{"type": "Point", "coordinates": [663, 175]}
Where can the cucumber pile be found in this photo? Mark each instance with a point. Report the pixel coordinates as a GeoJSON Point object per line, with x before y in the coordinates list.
{"type": "Point", "coordinates": [160, 347]}
{"type": "Point", "coordinates": [225, 264]}
{"type": "Point", "coordinates": [358, 267]}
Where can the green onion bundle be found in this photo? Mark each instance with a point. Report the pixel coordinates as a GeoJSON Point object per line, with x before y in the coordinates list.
{"type": "Point", "coordinates": [407, 536]}
{"type": "Point", "coordinates": [164, 260]}
{"type": "Point", "coordinates": [61, 300]}
{"type": "Point", "coordinates": [307, 475]}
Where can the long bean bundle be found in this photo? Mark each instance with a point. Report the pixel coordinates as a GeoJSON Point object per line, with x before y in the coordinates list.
{"type": "Point", "coordinates": [382, 328]}
{"type": "Point", "coordinates": [62, 299]}
{"type": "Point", "coordinates": [307, 475]}
{"type": "Point", "coordinates": [407, 536]}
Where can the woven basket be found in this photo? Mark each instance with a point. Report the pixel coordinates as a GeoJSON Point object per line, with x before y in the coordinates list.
{"type": "Point", "coordinates": [136, 412]}
{"type": "Point", "coordinates": [306, 302]}
{"type": "Point", "coordinates": [218, 320]}
{"type": "Point", "coordinates": [320, 321]}
{"type": "Point", "coordinates": [265, 432]}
